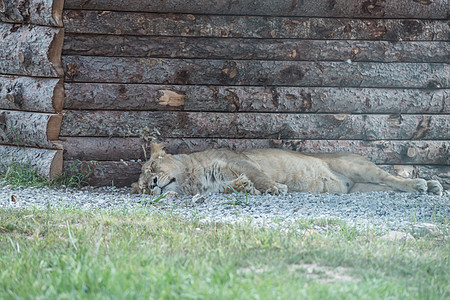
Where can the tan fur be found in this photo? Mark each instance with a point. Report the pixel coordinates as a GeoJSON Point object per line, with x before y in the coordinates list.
{"type": "Point", "coordinates": [272, 171]}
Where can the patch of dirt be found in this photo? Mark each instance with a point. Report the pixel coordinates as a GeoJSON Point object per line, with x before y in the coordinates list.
{"type": "Point", "coordinates": [313, 271]}
{"type": "Point", "coordinates": [252, 270]}
{"type": "Point", "coordinates": [323, 273]}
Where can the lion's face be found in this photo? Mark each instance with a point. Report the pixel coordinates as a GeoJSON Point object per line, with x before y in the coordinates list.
{"type": "Point", "coordinates": [159, 175]}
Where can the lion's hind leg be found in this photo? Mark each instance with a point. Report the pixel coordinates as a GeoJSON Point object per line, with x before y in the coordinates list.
{"type": "Point", "coordinates": [361, 170]}
{"type": "Point", "coordinates": [434, 187]}
{"type": "Point", "coordinates": [374, 175]}
{"type": "Point", "coordinates": [369, 187]}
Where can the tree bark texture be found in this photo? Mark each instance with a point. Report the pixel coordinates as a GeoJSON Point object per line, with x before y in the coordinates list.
{"type": "Point", "coordinates": [31, 50]}
{"type": "Point", "coordinates": [103, 173]}
{"type": "Point", "coordinates": [31, 94]}
{"type": "Point", "coordinates": [437, 9]}
{"type": "Point", "coordinates": [29, 129]}
{"type": "Point", "coordinates": [379, 152]}
{"type": "Point", "coordinates": [188, 25]}
{"type": "Point", "coordinates": [249, 72]}
{"type": "Point", "coordinates": [39, 12]}
{"type": "Point", "coordinates": [256, 125]}
{"type": "Point", "coordinates": [258, 49]}
{"type": "Point", "coordinates": [49, 163]}
{"type": "Point", "coordinates": [105, 96]}
{"type": "Point", "coordinates": [123, 173]}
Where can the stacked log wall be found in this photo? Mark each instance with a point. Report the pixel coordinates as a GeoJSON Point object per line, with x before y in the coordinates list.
{"type": "Point", "coordinates": [31, 84]}
{"type": "Point", "coordinates": [370, 77]}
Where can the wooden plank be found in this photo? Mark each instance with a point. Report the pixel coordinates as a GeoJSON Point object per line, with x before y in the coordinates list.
{"type": "Point", "coordinates": [263, 49]}
{"type": "Point", "coordinates": [380, 152]}
{"type": "Point", "coordinates": [125, 173]}
{"type": "Point", "coordinates": [31, 94]}
{"type": "Point", "coordinates": [29, 129]}
{"type": "Point", "coordinates": [436, 9]}
{"type": "Point", "coordinates": [49, 163]}
{"type": "Point", "coordinates": [105, 173]}
{"type": "Point", "coordinates": [39, 12]}
{"type": "Point", "coordinates": [31, 50]}
{"type": "Point", "coordinates": [250, 72]}
{"type": "Point", "coordinates": [188, 25]}
{"type": "Point", "coordinates": [103, 96]}
{"type": "Point", "coordinates": [256, 125]}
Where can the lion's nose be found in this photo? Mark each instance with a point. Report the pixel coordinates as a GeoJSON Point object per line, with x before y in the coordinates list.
{"type": "Point", "coordinates": [154, 182]}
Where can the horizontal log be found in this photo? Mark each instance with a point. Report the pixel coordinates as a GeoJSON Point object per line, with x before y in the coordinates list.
{"type": "Point", "coordinates": [256, 125]}
{"type": "Point", "coordinates": [261, 49]}
{"type": "Point", "coordinates": [188, 25]}
{"type": "Point", "coordinates": [102, 96]}
{"type": "Point", "coordinates": [30, 129]}
{"type": "Point", "coordinates": [437, 9]}
{"type": "Point", "coordinates": [31, 94]}
{"type": "Point", "coordinates": [39, 12]}
{"type": "Point", "coordinates": [31, 50]}
{"type": "Point", "coordinates": [379, 152]}
{"type": "Point", "coordinates": [48, 163]}
{"type": "Point", "coordinates": [124, 173]}
{"type": "Point", "coordinates": [249, 72]}
{"type": "Point", "coordinates": [105, 173]}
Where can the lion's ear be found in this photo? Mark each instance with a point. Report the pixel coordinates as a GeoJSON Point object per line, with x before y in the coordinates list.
{"type": "Point", "coordinates": [157, 150]}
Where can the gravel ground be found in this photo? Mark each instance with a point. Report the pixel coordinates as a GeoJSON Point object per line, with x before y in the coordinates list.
{"type": "Point", "coordinates": [386, 211]}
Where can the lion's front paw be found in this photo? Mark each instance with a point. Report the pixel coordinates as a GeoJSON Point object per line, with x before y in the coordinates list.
{"type": "Point", "coordinates": [135, 188]}
{"type": "Point", "coordinates": [419, 185]}
{"type": "Point", "coordinates": [242, 184]}
{"type": "Point", "coordinates": [435, 187]}
{"type": "Point", "coordinates": [277, 189]}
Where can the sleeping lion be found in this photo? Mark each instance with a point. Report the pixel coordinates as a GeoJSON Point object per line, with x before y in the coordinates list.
{"type": "Point", "coordinates": [272, 171]}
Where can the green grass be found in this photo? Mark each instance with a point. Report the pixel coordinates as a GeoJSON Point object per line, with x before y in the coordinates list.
{"type": "Point", "coordinates": [236, 198]}
{"type": "Point", "coordinates": [148, 200]}
{"type": "Point", "coordinates": [22, 174]}
{"type": "Point", "coordinates": [73, 254]}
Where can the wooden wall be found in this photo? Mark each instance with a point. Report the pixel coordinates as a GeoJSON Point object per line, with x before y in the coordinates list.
{"type": "Point", "coordinates": [366, 76]}
{"type": "Point", "coordinates": [31, 84]}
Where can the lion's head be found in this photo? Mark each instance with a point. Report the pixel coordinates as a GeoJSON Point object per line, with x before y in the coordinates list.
{"type": "Point", "coordinates": [160, 174]}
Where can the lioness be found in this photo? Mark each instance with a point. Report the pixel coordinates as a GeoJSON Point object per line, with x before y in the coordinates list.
{"type": "Point", "coordinates": [272, 171]}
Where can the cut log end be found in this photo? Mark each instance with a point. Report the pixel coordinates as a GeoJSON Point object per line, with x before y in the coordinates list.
{"type": "Point", "coordinates": [58, 96]}
{"type": "Point", "coordinates": [56, 167]}
{"type": "Point", "coordinates": [54, 52]}
{"type": "Point", "coordinates": [57, 10]}
{"type": "Point", "coordinates": [411, 152]}
{"type": "Point", "coordinates": [54, 127]}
